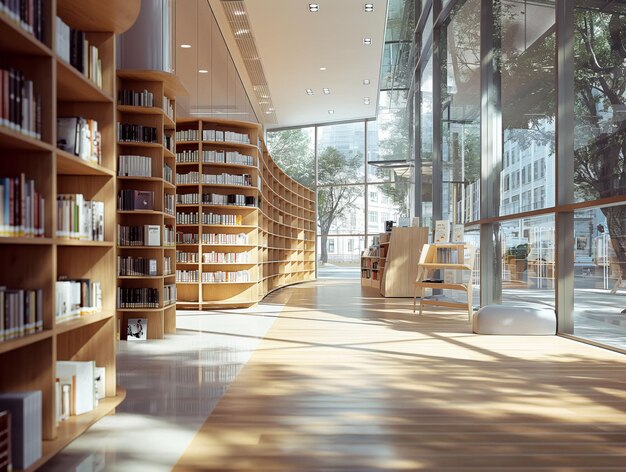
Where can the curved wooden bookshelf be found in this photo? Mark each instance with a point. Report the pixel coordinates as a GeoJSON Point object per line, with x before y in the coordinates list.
{"type": "Point", "coordinates": [280, 236]}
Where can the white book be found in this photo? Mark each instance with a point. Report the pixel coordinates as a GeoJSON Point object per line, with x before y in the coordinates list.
{"type": "Point", "coordinates": [442, 231]}
{"type": "Point", "coordinates": [458, 232]}
{"type": "Point", "coordinates": [84, 373]}
{"type": "Point", "coordinates": [152, 235]}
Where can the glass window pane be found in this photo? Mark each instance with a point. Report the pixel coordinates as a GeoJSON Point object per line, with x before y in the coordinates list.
{"type": "Point", "coordinates": [293, 150]}
{"type": "Point", "coordinates": [341, 153]}
{"type": "Point", "coordinates": [342, 256]}
{"type": "Point", "coordinates": [600, 113]}
{"type": "Point", "coordinates": [460, 109]}
{"type": "Point", "coordinates": [391, 203]}
{"type": "Point", "coordinates": [527, 253]}
{"type": "Point", "coordinates": [599, 274]}
{"type": "Point", "coordinates": [527, 179]}
{"type": "Point", "coordinates": [341, 210]}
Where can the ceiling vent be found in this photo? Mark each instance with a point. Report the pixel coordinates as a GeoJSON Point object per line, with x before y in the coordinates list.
{"type": "Point", "coordinates": [238, 20]}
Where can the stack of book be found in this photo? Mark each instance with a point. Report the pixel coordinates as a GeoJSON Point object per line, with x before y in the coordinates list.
{"type": "Point", "coordinates": [169, 236]}
{"type": "Point", "coordinates": [78, 218]}
{"type": "Point", "coordinates": [226, 277]}
{"type": "Point", "coordinates": [170, 203]}
{"type": "Point", "coordinates": [227, 179]}
{"type": "Point", "coordinates": [191, 218]}
{"type": "Point", "coordinates": [136, 266]}
{"type": "Point", "coordinates": [80, 385]}
{"type": "Point", "coordinates": [73, 47]}
{"type": "Point", "coordinates": [169, 294]}
{"type": "Point", "coordinates": [22, 208]}
{"type": "Point", "coordinates": [218, 219]}
{"type": "Point", "coordinates": [131, 200]}
{"type": "Point", "coordinates": [222, 238]}
{"type": "Point", "coordinates": [80, 137]}
{"type": "Point", "coordinates": [20, 106]}
{"type": "Point", "coordinates": [21, 313]}
{"type": "Point", "coordinates": [136, 99]}
{"type": "Point", "coordinates": [187, 135]}
{"type": "Point", "coordinates": [187, 276]}
{"type": "Point", "coordinates": [187, 157]}
{"type": "Point", "coordinates": [226, 136]}
{"type": "Point", "coordinates": [129, 133]}
{"type": "Point", "coordinates": [188, 178]}
{"type": "Point", "coordinates": [186, 238]}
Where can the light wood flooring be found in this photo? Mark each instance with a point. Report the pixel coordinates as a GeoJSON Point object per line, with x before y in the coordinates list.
{"type": "Point", "coordinates": [348, 381]}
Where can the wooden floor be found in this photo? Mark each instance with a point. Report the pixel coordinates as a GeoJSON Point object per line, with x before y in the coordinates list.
{"type": "Point", "coordinates": [349, 381]}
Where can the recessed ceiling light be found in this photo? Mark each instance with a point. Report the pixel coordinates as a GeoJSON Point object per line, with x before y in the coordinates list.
{"type": "Point", "coordinates": [203, 71]}
{"type": "Point", "coordinates": [367, 41]}
{"type": "Point", "coordinates": [326, 90]}
{"type": "Point", "coordinates": [330, 112]}
{"type": "Point", "coordinates": [185, 46]}
{"type": "Point", "coordinates": [366, 100]}
{"type": "Point", "coordinates": [366, 81]}
{"type": "Point", "coordinates": [309, 92]}
{"type": "Point", "coordinates": [369, 7]}
{"type": "Point", "coordinates": [313, 7]}
{"type": "Point", "coordinates": [322, 68]}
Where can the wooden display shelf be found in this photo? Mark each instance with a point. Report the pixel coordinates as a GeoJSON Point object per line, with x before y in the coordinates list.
{"type": "Point", "coordinates": [230, 144]}
{"type": "Point", "coordinates": [25, 241]}
{"type": "Point", "coordinates": [18, 343]}
{"type": "Point", "coordinates": [140, 144]}
{"type": "Point", "coordinates": [83, 320]}
{"type": "Point", "coordinates": [83, 243]}
{"type": "Point", "coordinates": [139, 110]}
{"type": "Point", "coordinates": [12, 139]}
{"type": "Point", "coordinates": [142, 277]}
{"type": "Point", "coordinates": [67, 164]}
{"type": "Point", "coordinates": [226, 164]}
{"type": "Point", "coordinates": [73, 86]}
{"type": "Point", "coordinates": [74, 426]}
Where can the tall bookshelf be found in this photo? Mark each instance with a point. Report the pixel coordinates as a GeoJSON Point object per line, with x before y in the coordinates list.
{"type": "Point", "coordinates": [29, 362]}
{"type": "Point", "coordinates": [261, 233]}
{"type": "Point", "coordinates": [147, 98]}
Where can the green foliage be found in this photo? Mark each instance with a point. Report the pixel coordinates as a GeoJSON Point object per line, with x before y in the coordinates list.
{"type": "Point", "coordinates": [292, 150]}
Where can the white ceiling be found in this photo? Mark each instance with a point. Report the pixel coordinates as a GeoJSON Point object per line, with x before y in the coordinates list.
{"type": "Point", "coordinates": [294, 43]}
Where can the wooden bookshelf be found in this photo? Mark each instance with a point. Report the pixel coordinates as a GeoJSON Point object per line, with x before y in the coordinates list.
{"type": "Point", "coordinates": [273, 240]}
{"type": "Point", "coordinates": [159, 114]}
{"type": "Point", "coordinates": [37, 263]}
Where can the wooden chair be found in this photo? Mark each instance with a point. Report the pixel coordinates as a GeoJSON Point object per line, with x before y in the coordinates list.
{"type": "Point", "coordinates": [448, 256]}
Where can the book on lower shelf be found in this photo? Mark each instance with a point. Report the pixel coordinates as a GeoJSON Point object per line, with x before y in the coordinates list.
{"type": "Point", "coordinates": [20, 105]}
{"type": "Point", "coordinates": [137, 329]}
{"type": "Point", "coordinates": [21, 313]}
{"type": "Point", "coordinates": [78, 379]}
{"type": "Point", "coordinates": [26, 426]}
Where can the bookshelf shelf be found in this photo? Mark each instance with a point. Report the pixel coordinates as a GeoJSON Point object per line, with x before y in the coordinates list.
{"type": "Point", "coordinates": [38, 263]}
{"type": "Point", "coordinates": [81, 321]}
{"type": "Point", "coordinates": [72, 86]}
{"type": "Point", "coordinates": [114, 16]}
{"type": "Point", "coordinates": [261, 223]}
{"type": "Point", "coordinates": [10, 139]}
{"type": "Point", "coordinates": [15, 39]}
{"type": "Point", "coordinates": [68, 164]}
{"type": "Point", "coordinates": [77, 425]}
{"type": "Point", "coordinates": [24, 341]}
{"type": "Point", "coordinates": [160, 89]}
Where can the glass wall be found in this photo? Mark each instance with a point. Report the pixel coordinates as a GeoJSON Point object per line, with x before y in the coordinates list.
{"type": "Point", "coordinates": [354, 199]}
{"type": "Point", "coordinates": [553, 177]}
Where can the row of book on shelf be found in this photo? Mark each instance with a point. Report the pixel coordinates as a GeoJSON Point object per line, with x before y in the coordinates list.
{"type": "Point", "coordinates": [130, 266]}
{"type": "Point", "coordinates": [212, 238]}
{"type": "Point", "coordinates": [195, 177]}
{"type": "Point", "coordinates": [146, 235]}
{"type": "Point", "coordinates": [21, 312]}
{"type": "Point", "coordinates": [214, 157]}
{"type": "Point", "coordinates": [145, 297]}
{"type": "Point", "coordinates": [212, 135]}
{"type": "Point", "coordinates": [145, 99]}
{"type": "Point", "coordinates": [187, 257]}
{"type": "Point", "coordinates": [225, 257]}
{"type": "Point", "coordinates": [132, 133]}
{"type": "Point", "coordinates": [216, 199]}
{"type": "Point", "coordinates": [74, 48]}
{"type": "Point", "coordinates": [20, 104]}
{"type": "Point", "coordinates": [226, 277]}
{"type": "Point", "coordinates": [191, 218]}
{"type": "Point", "coordinates": [80, 137]}
{"type": "Point", "coordinates": [28, 14]}
{"type": "Point", "coordinates": [22, 208]}
{"type": "Point", "coordinates": [78, 218]}
{"type": "Point", "coordinates": [77, 297]}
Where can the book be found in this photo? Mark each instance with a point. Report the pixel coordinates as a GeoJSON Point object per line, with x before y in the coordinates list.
{"type": "Point", "coordinates": [83, 374]}
{"type": "Point", "coordinates": [152, 235]}
{"type": "Point", "coordinates": [22, 208]}
{"type": "Point", "coordinates": [20, 105]}
{"type": "Point", "coordinates": [26, 427]}
{"type": "Point", "coordinates": [80, 137]}
{"type": "Point", "coordinates": [442, 231]}
{"type": "Point", "coordinates": [458, 232]}
{"type": "Point", "coordinates": [415, 222]}
{"type": "Point", "coordinates": [78, 218]}
{"type": "Point", "coordinates": [77, 297]}
{"type": "Point", "coordinates": [100, 383]}
{"type": "Point", "coordinates": [137, 329]}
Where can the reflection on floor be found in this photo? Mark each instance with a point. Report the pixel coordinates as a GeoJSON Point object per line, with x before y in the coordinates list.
{"type": "Point", "coordinates": [347, 381]}
{"type": "Point", "coordinates": [172, 386]}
